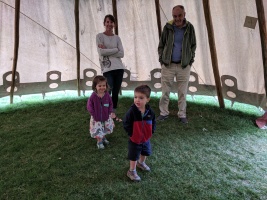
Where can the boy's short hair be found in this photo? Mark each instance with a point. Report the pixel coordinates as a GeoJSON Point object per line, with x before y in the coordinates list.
{"type": "Point", "coordinates": [144, 89]}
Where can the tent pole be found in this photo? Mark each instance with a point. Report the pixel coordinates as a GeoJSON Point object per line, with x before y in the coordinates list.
{"type": "Point", "coordinates": [77, 32]}
{"type": "Point", "coordinates": [263, 35]}
{"type": "Point", "coordinates": [114, 6]}
{"type": "Point", "coordinates": [158, 17]}
{"type": "Point", "coordinates": [213, 53]}
{"type": "Point", "coordinates": [16, 49]}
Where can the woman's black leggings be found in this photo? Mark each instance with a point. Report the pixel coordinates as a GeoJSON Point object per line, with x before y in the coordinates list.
{"type": "Point", "coordinates": [114, 79]}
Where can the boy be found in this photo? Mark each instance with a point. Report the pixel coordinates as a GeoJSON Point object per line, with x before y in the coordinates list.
{"type": "Point", "coordinates": [139, 122]}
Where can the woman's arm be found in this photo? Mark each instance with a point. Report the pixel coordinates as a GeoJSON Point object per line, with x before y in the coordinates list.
{"type": "Point", "coordinates": [101, 49]}
{"type": "Point", "coordinates": [120, 53]}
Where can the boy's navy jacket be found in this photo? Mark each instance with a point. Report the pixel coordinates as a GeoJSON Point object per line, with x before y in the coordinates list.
{"type": "Point", "coordinates": [140, 129]}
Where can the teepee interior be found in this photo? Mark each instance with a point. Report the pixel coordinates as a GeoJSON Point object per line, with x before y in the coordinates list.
{"type": "Point", "coordinates": [50, 45]}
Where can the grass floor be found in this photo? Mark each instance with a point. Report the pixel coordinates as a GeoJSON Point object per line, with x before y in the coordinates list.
{"type": "Point", "coordinates": [46, 153]}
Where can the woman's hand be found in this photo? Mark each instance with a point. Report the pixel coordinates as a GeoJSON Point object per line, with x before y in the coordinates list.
{"type": "Point", "coordinates": [101, 46]}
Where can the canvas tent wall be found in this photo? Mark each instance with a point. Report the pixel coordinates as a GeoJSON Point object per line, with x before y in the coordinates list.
{"type": "Point", "coordinates": [47, 47]}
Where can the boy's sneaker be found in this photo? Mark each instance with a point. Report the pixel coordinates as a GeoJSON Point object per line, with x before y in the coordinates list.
{"type": "Point", "coordinates": [143, 166]}
{"type": "Point", "coordinates": [162, 118]}
{"type": "Point", "coordinates": [100, 145]}
{"type": "Point", "coordinates": [105, 141]}
{"type": "Point", "coordinates": [133, 175]}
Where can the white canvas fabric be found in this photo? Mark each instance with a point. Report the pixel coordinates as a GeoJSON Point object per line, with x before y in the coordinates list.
{"type": "Point", "coordinates": [47, 59]}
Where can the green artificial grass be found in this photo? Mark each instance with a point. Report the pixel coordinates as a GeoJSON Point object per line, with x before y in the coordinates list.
{"type": "Point", "coordinates": [46, 153]}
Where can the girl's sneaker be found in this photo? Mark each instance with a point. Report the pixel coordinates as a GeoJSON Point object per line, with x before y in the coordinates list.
{"type": "Point", "coordinates": [100, 145]}
{"type": "Point", "coordinates": [133, 175]}
{"type": "Point", "coordinates": [105, 141]}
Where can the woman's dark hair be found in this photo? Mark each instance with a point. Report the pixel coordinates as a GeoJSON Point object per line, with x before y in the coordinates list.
{"type": "Point", "coordinates": [111, 18]}
{"type": "Point", "coordinates": [98, 79]}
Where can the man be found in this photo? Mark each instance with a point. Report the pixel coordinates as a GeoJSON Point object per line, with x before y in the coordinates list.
{"type": "Point", "coordinates": [176, 51]}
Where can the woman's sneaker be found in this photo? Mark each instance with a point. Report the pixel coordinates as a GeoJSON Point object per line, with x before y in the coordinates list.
{"type": "Point", "coordinates": [100, 145]}
{"type": "Point", "coordinates": [133, 175]}
{"type": "Point", "coordinates": [105, 141]}
{"type": "Point", "coordinates": [143, 166]}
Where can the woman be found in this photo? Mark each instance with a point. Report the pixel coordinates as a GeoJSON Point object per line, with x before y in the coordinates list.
{"type": "Point", "coordinates": [110, 52]}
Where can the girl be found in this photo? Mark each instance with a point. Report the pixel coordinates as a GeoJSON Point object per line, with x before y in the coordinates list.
{"type": "Point", "coordinates": [100, 107]}
{"type": "Point", "coordinates": [110, 50]}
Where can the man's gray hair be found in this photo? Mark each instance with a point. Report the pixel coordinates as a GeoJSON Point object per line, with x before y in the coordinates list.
{"type": "Point", "coordinates": [178, 6]}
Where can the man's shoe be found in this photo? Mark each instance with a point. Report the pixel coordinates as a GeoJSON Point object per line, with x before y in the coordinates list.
{"type": "Point", "coordinates": [133, 176]}
{"type": "Point", "coordinates": [143, 166]}
{"type": "Point", "coordinates": [183, 120]}
{"type": "Point", "coordinates": [162, 118]}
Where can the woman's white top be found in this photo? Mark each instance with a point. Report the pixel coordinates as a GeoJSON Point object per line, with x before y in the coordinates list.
{"type": "Point", "coordinates": [110, 58]}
